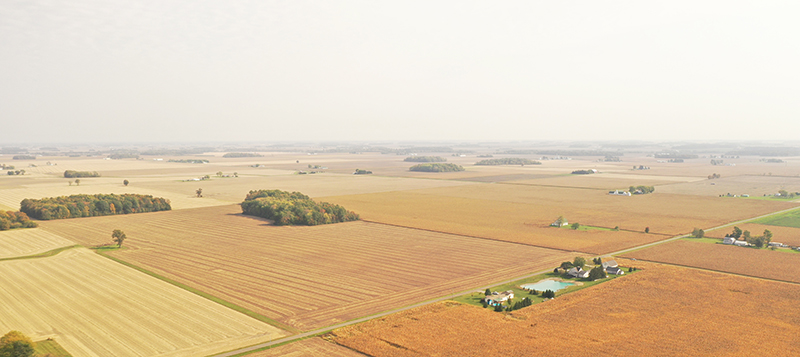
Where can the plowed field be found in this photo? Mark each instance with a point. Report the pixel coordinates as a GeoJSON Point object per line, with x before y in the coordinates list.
{"type": "Point", "coordinates": [762, 263]}
{"type": "Point", "coordinates": [786, 235]}
{"type": "Point", "coordinates": [521, 213]}
{"type": "Point", "coordinates": [93, 306]}
{"type": "Point", "coordinates": [310, 347]}
{"type": "Point", "coordinates": [29, 241]}
{"type": "Point", "coordinates": [307, 276]}
{"type": "Point", "coordinates": [661, 311]}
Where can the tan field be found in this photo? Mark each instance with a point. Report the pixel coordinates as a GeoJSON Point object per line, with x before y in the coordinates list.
{"type": "Point", "coordinates": [785, 235]}
{"type": "Point", "coordinates": [754, 186]}
{"type": "Point", "coordinates": [779, 265]}
{"type": "Point", "coordinates": [520, 213]}
{"type": "Point", "coordinates": [602, 181]}
{"type": "Point", "coordinates": [29, 241]}
{"type": "Point", "coordinates": [307, 277]}
{"type": "Point", "coordinates": [310, 347]}
{"type": "Point", "coordinates": [93, 307]}
{"type": "Point", "coordinates": [659, 311]}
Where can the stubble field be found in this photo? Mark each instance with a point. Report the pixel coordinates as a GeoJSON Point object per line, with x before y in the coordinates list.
{"type": "Point", "coordinates": [764, 263]}
{"type": "Point", "coordinates": [307, 277]}
{"type": "Point", "coordinates": [29, 241]}
{"type": "Point", "coordinates": [93, 306]}
{"type": "Point", "coordinates": [309, 347]}
{"type": "Point", "coordinates": [522, 214]}
{"type": "Point", "coordinates": [660, 311]}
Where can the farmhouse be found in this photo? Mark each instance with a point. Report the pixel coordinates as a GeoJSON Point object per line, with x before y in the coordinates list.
{"type": "Point", "coordinates": [777, 244]}
{"type": "Point", "coordinates": [610, 264]}
{"type": "Point", "coordinates": [741, 243]}
{"type": "Point", "coordinates": [498, 298]}
{"type": "Point", "coordinates": [578, 273]}
{"type": "Point", "coordinates": [619, 193]}
{"type": "Point", "coordinates": [560, 222]}
{"type": "Point", "coordinates": [614, 270]}
{"type": "Point", "coordinates": [729, 240]}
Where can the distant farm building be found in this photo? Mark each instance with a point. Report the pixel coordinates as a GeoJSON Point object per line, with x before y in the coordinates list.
{"type": "Point", "coordinates": [619, 193]}
{"type": "Point", "coordinates": [578, 273]}
{"type": "Point", "coordinates": [498, 298]}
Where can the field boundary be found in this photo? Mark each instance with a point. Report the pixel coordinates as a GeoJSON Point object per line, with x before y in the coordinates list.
{"type": "Point", "coordinates": [213, 298]}
{"type": "Point", "coordinates": [46, 254]}
{"type": "Point", "coordinates": [711, 270]}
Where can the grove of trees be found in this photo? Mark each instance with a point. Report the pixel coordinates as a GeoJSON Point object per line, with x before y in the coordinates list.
{"type": "Point", "coordinates": [16, 344]}
{"type": "Point", "coordinates": [508, 161]}
{"type": "Point", "coordinates": [425, 159]}
{"type": "Point", "coordinates": [583, 172]}
{"type": "Point", "coordinates": [24, 157]}
{"type": "Point", "coordinates": [73, 173]}
{"type": "Point", "coordinates": [294, 208]}
{"type": "Point", "coordinates": [12, 220]}
{"type": "Point", "coordinates": [436, 167]}
{"type": "Point", "coordinates": [190, 161]}
{"type": "Point", "coordinates": [642, 189]}
{"type": "Point", "coordinates": [92, 205]}
{"type": "Point", "coordinates": [241, 154]}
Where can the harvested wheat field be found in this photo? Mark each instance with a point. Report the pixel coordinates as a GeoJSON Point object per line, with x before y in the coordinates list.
{"type": "Point", "coordinates": [233, 190]}
{"type": "Point", "coordinates": [605, 182]}
{"type": "Point", "coordinates": [93, 306]}
{"type": "Point", "coordinates": [523, 214]}
{"type": "Point", "coordinates": [310, 347]}
{"type": "Point", "coordinates": [307, 277]}
{"type": "Point", "coordinates": [736, 185]}
{"type": "Point", "coordinates": [786, 235]}
{"type": "Point", "coordinates": [660, 311]}
{"type": "Point", "coordinates": [763, 263]}
{"type": "Point", "coordinates": [29, 241]}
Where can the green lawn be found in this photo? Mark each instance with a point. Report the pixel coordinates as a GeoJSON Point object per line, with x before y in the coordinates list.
{"type": "Point", "coordinates": [788, 219]}
{"type": "Point", "coordinates": [719, 241]}
{"type": "Point", "coordinates": [589, 228]}
{"type": "Point", "coordinates": [52, 347]}
{"type": "Point", "coordinates": [475, 297]}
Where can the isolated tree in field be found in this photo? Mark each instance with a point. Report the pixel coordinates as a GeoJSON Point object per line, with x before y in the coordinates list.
{"type": "Point", "coordinates": [576, 225]}
{"type": "Point", "coordinates": [78, 182]}
{"type": "Point", "coordinates": [16, 344]}
{"type": "Point", "coordinates": [579, 262]}
{"type": "Point", "coordinates": [118, 237]}
{"type": "Point", "coordinates": [647, 229]}
{"type": "Point", "coordinates": [199, 192]}
{"type": "Point", "coordinates": [125, 182]}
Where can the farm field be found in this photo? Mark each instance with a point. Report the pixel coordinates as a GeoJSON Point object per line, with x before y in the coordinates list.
{"type": "Point", "coordinates": [648, 313]}
{"type": "Point", "coordinates": [93, 306]}
{"type": "Point", "coordinates": [309, 347]}
{"type": "Point", "coordinates": [29, 241]}
{"type": "Point", "coordinates": [763, 263]}
{"type": "Point", "coordinates": [600, 181]}
{"type": "Point", "coordinates": [736, 185]}
{"type": "Point", "coordinates": [10, 198]}
{"type": "Point", "coordinates": [522, 214]}
{"type": "Point", "coordinates": [787, 219]}
{"type": "Point", "coordinates": [786, 235]}
{"type": "Point", "coordinates": [306, 277]}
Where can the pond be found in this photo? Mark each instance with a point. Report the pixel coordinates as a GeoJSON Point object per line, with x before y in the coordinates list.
{"type": "Point", "coordinates": [547, 285]}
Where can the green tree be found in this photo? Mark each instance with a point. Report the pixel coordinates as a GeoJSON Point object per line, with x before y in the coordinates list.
{"type": "Point", "coordinates": [746, 235]}
{"type": "Point", "coordinates": [199, 192]}
{"type": "Point", "coordinates": [16, 344]}
{"type": "Point", "coordinates": [579, 262]}
{"type": "Point", "coordinates": [548, 294]}
{"type": "Point", "coordinates": [219, 173]}
{"type": "Point", "coordinates": [647, 229]}
{"type": "Point", "coordinates": [78, 182]}
{"type": "Point", "coordinates": [701, 233]}
{"type": "Point", "coordinates": [597, 273]}
{"type": "Point", "coordinates": [566, 265]}
{"type": "Point", "coordinates": [576, 225]}
{"type": "Point", "coordinates": [487, 292]}
{"type": "Point", "coordinates": [767, 236]}
{"type": "Point", "coordinates": [125, 182]}
{"type": "Point", "coordinates": [118, 237]}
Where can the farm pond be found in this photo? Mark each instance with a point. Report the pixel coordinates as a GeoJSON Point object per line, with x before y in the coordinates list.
{"type": "Point", "coordinates": [548, 284]}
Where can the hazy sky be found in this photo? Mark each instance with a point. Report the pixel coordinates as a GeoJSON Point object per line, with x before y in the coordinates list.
{"type": "Point", "coordinates": [179, 71]}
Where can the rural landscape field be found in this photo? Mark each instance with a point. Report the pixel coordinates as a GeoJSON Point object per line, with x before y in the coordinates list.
{"type": "Point", "coordinates": [202, 278]}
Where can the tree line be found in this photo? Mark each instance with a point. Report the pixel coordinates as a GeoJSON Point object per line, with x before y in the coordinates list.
{"type": "Point", "coordinates": [12, 220]}
{"type": "Point", "coordinates": [425, 159]}
{"type": "Point", "coordinates": [241, 154]}
{"type": "Point", "coordinates": [73, 173]}
{"type": "Point", "coordinates": [92, 205]}
{"type": "Point", "coordinates": [294, 208]}
{"type": "Point", "coordinates": [436, 167]}
{"type": "Point", "coordinates": [190, 161]}
{"type": "Point", "coordinates": [24, 157]}
{"type": "Point", "coordinates": [758, 241]}
{"type": "Point", "coordinates": [642, 189]}
{"type": "Point", "coordinates": [508, 161]}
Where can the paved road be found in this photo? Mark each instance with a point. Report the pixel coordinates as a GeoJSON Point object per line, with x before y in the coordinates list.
{"type": "Point", "coordinates": [448, 297]}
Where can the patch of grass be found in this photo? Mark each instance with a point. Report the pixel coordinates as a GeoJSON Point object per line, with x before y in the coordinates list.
{"type": "Point", "coordinates": [213, 298]}
{"type": "Point", "coordinates": [519, 293]}
{"type": "Point", "coordinates": [52, 347]}
{"type": "Point", "coordinates": [703, 240]}
{"type": "Point", "coordinates": [719, 241]}
{"type": "Point", "coordinates": [106, 248]}
{"type": "Point", "coordinates": [589, 228]}
{"type": "Point", "coordinates": [787, 219]}
{"type": "Point", "coordinates": [46, 254]}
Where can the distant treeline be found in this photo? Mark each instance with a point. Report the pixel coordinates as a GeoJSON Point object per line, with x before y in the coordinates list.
{"type": "Point", "coordinates": [293, 208]}
{"type": "Point", "coordinates": [92, 205]}
{"type": "Point", "coordinates": [436, 167]}
{"type": "Point", "coordinates": [362, 172]}
{"type": "Point", "coordinates": [508, 161]}
{"type": "Point", "coordinates": [642, 189]}
{"type": "Point", "coordinates": [564, 152]}
{"type": "Point", "coordinates": [425, 159]}
{"type": "Point", "coordinates": [73, 173]}
{"type": "Point", "coordinates": [123, 155]}
{"type": "Point", "coordinates": [242, 154]}
{"type": "Point", "coordinates": [190, 161]}
{"type": "Point", "coordinates": [675, 155]}
{"type": "Point", "coordinates": [774, 161]}
{"type": "Point", "coordinates": [583, 172]}
{"type": "Point", "coordinates": [177, 152]}
{"type": "Point", "coordinates": [24, 157]}
{"type": "Point", "coordinates": [11, 220]}
{"type": "Point", "coordinates": [767, 151]}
